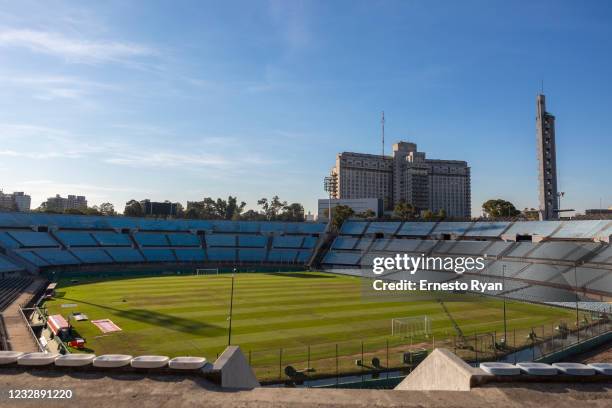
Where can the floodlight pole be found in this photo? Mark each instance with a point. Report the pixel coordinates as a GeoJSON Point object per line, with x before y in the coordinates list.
{"type": "Point", "coordinates": [504, 289]}
{"type": "Point", "coordinates": [328, 187]}
{"type": "Point", "coordinates": [229, 334]}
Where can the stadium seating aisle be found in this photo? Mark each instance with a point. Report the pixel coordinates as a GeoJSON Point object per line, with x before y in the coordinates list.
{"type": "Point", "coordinates": [10, 288]}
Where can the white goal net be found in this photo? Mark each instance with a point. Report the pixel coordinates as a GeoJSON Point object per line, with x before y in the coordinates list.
{"type": "Point", "coordinates": [411, 326]}
{"type": "Point", "coordinates": [207, 271]}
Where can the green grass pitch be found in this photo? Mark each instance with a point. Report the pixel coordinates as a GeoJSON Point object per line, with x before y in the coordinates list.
{"type": "Point", "coordinates": [188, 315]}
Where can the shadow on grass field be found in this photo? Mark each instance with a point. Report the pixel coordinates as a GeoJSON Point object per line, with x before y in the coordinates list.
{"type": "Point", "coordinates": [161, 319]}
{"type": "Point", "coordinates": [301, 275]}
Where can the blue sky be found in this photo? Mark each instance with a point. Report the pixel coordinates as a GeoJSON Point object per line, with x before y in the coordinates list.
{"type": "Point", "coordinates": [181, 100]}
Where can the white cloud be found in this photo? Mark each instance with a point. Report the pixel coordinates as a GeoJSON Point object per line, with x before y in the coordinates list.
{"type": "Point", "coordinates": [72, 49]}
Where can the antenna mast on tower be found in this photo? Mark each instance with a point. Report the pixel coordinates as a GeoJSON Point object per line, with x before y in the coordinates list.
{"type": "Point", "coordinates": [382, 122]}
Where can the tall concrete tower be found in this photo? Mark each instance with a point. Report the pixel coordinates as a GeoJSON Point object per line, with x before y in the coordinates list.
{"type": "Point", "coordinates": [547, 161]}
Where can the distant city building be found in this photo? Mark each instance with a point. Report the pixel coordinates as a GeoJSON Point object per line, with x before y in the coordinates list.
{"type": "Point", "coordinates": [358, 205]}
{"type": "Point", "coordinates": [61, 204]}
{"type": "Point", "coordinates": [18, 201]}
{"type": "Point", "coordinates": [309, 217]}
{"type": "Point", "coordinates": [407, 176]}
{"type": "Point", "coordinates": [598, 211]}
{"type": "Point", "coordinates": [159, 209]}
{"type": "Point", "coordinates": [547, 161]}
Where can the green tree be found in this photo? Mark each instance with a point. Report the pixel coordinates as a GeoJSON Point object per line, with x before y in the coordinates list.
{"type": "Point", "coordinates": [441, 214]}
{"type": "Point", "coordinates": [191, 213]}
{"type": "Point", "coordinates": [107, 209]}
{"type": "Point", "coordinates": [340, 214]}
{"type": "Point", "coordinates": [133, 209]}
{"type": "Point", "coordinates": [498, 208]}
{"type": "Point", "coordinates": [367, 214]}
{"type": "Point", "coordinates": [292, 212]}
{"type": "Point", "coordinates": [428, 215]}
{"type": "Point", "coordinates": [252, 215]}
{"type": "Point", "coordinates": [404, 211]}
{"type": "Point", "coordinates": [272, 208]}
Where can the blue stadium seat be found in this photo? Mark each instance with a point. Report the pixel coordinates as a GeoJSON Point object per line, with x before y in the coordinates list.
{"type": "Point", "coordinates": [124, 255]}
{"type": "Point", "coordinates": [7, 241]}
{"type": "Point", "coordinates": [56, 256]}
{"type": "Point", "coordinates": [158, 255]}
{"type": "Point", "coordinates": [189, 254]}
{"type": "Point", "coordinates": [258, 241]}
{"type": "Point", "coordinates": [289, 241]}
{"type": "Point", "coordinates": [282, 255]}
{"type": "Point", "coordinates": [342, 258]}
{"type": "Point", "coordinates": [32, 258]}
{"type": "Point", "coordinates": [91, 255]}
{"type": "Point", "coordinates": [353, 227]}
{"type": "Point", "coordinates": [221, 254]}
{"type": "Point", "coordinates": [251, 254]}
{"type": "Point", "coordinates": [179, 239]}
{"type": "Point", "coordinates": [344, 242]}
{"type": "Point", "coordinates": [6, 265]}
{"type": "Point", "coordinates": [309, 242]}
{"type": "Point", "coordinates": [76, 238]}
{"type": "Point", "coordinates": [33, 239]}
{"type": "Point", "coordinates": [447, 227]}
{"type": "Point", "coordinates": [108, 238]}
{"type": "Point", "coordinates": [304, 256]}
{"type": "Point", "coordinates": [487, 228]}
{"type": "Point", "coordinates": [416, 229]}
{"type": "Point", "coordinates": [389, 228]}
{"type": "Point", "coordinates": [151, 239]}
{"type": "Point", "coordinates": [220, 240]}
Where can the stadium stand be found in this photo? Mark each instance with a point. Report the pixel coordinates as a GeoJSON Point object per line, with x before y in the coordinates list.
{"type": "Point", "coordinates": [30, 239]}
{"type": "Point", "coordinates": [183, 240]}
{"type": "Point", "coordinates": [559, 255]}
{"type": "Point", "coordinates": [108, 238]}
{"type": "Point", "coordinates": [552, 260]}
{"type": "Point", "coordinates": [10, 288]}
{"type": "Point", "coordinates": [159, 255]}
{"type": "Point", "coordinates": [125, 255]}
{"type": "Point", "coordinates": [92, 255]}
{"type": "Point", "coordinates": [86, 240]}
{"type": "Point", "coordinates": [76, 238]}
{"type": "Point", "coordinates": [189, 254]}
{"type": "Point", "coordinates": [6, 265]}
{"type": "Point", "coordinates": [145, 239]}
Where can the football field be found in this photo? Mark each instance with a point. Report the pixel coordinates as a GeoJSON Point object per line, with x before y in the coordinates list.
{"type": "Point", "coordinates": [188, 315]}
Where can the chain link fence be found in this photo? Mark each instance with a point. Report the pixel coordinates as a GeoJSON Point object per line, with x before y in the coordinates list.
{"type": "Point", "coordinates": [396, 356]}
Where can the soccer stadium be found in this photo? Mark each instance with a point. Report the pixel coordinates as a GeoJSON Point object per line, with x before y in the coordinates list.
{"type": "Point", "coordinates": [291, 295]}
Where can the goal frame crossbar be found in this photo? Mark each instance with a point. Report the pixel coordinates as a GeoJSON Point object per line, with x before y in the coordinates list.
{"type": "Point", "coordinates": [206, 271]}
{"type": "Point", "coordinates": [412, 326]}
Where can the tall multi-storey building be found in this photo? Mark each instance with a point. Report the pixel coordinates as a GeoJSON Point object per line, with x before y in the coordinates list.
{"type": "Point", "coordinates": [407, 176]}
{"type": "Point", "coordinates": [547, 161]}
{"type": "Point", "coordinates": [61, 204]}
{"type": "Point", "coordinates": [18, 201]}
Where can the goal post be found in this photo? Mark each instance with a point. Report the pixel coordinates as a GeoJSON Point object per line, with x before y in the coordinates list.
{"type": "Point", "coordinates": [411, 326]}
{"type": "Point", "coordinates": [207, 271]}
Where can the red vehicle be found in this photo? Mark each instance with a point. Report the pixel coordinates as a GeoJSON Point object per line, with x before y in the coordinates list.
{"type": "Point", "coordinates": [59, 326]}
{"type": "Point", "coordinates": [77, 343]}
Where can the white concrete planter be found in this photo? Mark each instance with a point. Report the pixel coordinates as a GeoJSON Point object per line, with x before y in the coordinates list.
{"type": "Point", "coordinates": [187, 363]}
{"type": "Point", "coordinates": [74, 360]}
{"type": "Point", "coordinates": [500, 368]}
{"type": "Point", "coordinates": [537, 368]}
{"type": "Point", "coordinates": [9, 357]}
{"type": "Point", "coordinates": [112, 360]}
{"type": "Point", "coordinates": [37, 359]}
{"type": "Point", "coordinates": [150, 361]}
{"type": "Point", "coordinates": [574, 369]}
